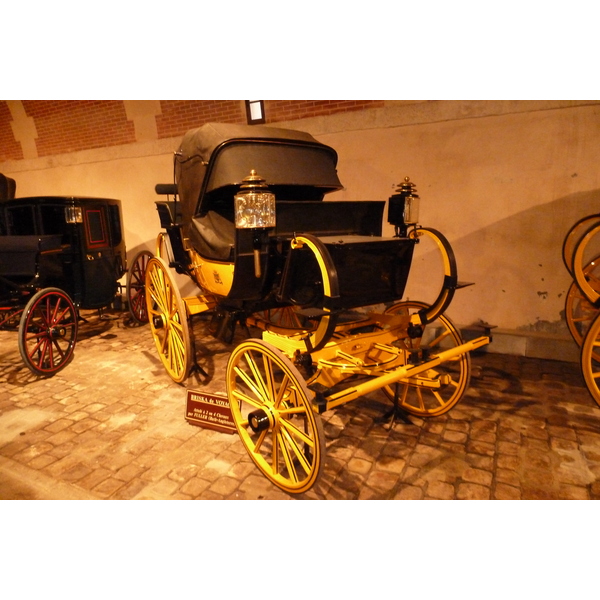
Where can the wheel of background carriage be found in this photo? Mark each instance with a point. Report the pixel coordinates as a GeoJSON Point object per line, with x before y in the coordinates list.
{"type": "Point", "coordinates": [589, 361]}
{"type": "Point", "coordinates": [48, 332]}
{"type": "Point", "coordinates": [437, 390]}
{"type": "Point", "coordinates": [167, 316]}
{"type": "Point", "coordinates": [579, 312]}
{"type": "Point", "coordinates": [271, 408]}
{"type": "Point", "coordinates": [136, 287]}
{"type": "Point", "coordinates": [573, 237]}
{"type": "Point", "coordinates": [581, 247]}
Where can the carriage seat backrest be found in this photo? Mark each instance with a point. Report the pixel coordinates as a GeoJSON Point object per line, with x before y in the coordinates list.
{"type": "Point", "coordinates": [213, 236]}
{"type": "Point", "coordinates": [19, 254]}
{"type": "Point", "coordinates": [8, 188]}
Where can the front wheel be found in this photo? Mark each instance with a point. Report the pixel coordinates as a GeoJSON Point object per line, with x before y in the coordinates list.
{"type": "Point", "coordinates": [271, 408]}
{"type": "Point", "coordinates": [48, 332]}
{"type": "Point", "coordinates": [438, 389]}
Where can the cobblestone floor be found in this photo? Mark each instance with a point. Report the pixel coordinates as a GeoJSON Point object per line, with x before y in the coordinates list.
{"type": "Point", "coordinates": [111, 425]}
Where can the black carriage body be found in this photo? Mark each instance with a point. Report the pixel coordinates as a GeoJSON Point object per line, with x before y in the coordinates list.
{"type": "Point", "coordinates": [73, 243]}
{"type": "Point", "coordinates": [211, 165]}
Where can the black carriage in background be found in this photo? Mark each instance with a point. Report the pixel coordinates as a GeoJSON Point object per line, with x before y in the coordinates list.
{"type": "Point", "coordinates": [58, 255]}
{"type": "Point", "coordinates": [249, 225]}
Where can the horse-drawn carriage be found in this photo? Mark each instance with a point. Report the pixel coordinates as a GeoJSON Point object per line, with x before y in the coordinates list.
{"type": "Point", "coordinates": [249, 225]}
{"type": "Point", "coordinates": [582, 305]}
{"type": "Point", "coordinates": [58, 254]}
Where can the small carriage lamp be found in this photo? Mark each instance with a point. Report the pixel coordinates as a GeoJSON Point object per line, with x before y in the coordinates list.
{"type": "Point", "coordinates": [73, 214]}
{"type": "Point", "coordinates": [254, 208]}
{"type": "Point", "coordinates": [403, 209]}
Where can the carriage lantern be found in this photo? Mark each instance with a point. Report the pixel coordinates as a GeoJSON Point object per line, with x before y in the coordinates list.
{"type": "Point", "coordinates": [254, 209]}
{"type": "Point", "coordinates": [404, 207]}
{"type": "Point", "coordinates": [73, 214]}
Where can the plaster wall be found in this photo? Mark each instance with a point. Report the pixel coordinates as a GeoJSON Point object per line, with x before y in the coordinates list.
{"type": "Point", "coordinates": [503, 188]}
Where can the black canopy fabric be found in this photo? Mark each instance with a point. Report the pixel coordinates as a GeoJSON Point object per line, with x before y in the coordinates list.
{"type": "Point", "coordinates": [216, 157]}
{"type": "Point", "coordinates": [8, 187]}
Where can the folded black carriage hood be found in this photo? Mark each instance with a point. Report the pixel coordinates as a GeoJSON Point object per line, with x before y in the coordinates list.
{"type": "Point", "coordinates": [219, 155]}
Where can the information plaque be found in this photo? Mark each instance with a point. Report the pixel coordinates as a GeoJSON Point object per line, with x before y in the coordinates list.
{"type": "Point", "coordinates": [211, 411]}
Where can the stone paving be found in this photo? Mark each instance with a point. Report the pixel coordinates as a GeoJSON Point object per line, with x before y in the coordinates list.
{"type": "Point", "coordinates": [111, 426]}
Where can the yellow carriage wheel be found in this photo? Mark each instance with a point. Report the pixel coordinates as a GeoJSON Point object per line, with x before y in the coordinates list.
{"type": "Point", "coordinates": [163, 248]}
{"type": "Point", "coordinates": [589, 287]}
{"type": "Point", "coordinates": [271, 408]}
{"type": "Point", "coordinates": [573, 239]}
{"type": "Point", "coordinates": [168, 320]}
{"type": "Point", "coordinates": [439, 389]}
{"type": "Point", "coordinates": [579, 311]}
{"type": "Point", "coordinates": [590, 363]}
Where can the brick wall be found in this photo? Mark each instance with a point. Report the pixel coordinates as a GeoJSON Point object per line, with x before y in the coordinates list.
{"type": "Point", "coordinates": [289, 110]}
{"type": "Point", "coordinates": [10, 149]}
{"type": "Point", "coordinates": [69, 126]}
{"type": "Point", "coordinates": [178, 116]}
{"type": "Point", "coordinates": [64, 126]}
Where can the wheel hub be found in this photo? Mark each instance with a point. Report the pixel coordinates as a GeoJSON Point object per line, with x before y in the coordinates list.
{"type": "Point", "coordinates": [259, 420]}
{"type": "Point", "coordinates": [158, 322]}
{"type": "Point", "coordinates": [56, 332]}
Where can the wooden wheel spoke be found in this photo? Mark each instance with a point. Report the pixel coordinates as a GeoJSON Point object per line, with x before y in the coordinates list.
{"type": "Point", "coordinates": [257, 390]}
{"type": "Point", "coordinates": [438, 397]}
{"type": "Point", "coordinates": [292, 429]}
{"type": "Point", "coordinates": [240, 396]}
{"type": "Point", "coordinates": [283, 388]}
{"type": "Point", "coordinates": [287, 458]}
{"type": "Point", "coordinates": [268, 383]}
{"type": "Point", "coordinates": [259, 442]}
{"type": "Point", "coordinates": [439, 339]}
{"type": "Point", "coordinates": [298, 453]}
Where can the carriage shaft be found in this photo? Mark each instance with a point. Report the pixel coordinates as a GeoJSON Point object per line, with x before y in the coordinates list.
{"type": "Point", "coordinates": [400, 373]}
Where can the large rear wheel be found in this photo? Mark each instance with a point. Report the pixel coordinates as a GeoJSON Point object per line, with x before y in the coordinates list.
{"type": "Point", "coordinates": [271, 408]}
{"type": "Point", "coordinates": [167, 315]}
{"type": "Point", "coordinates": [48, 332]}
{"type": "Point", "coordinates": [438, 389]}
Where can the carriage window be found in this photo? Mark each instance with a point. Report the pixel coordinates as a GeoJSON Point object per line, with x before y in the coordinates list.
{"type": "Point", "coordinates": [53, 219]}
{"type": "Point", "coordinates": [115, 224]}
{"type": "Point", "coordinates": [96, 231]}
{"type": "Point", "coordinates": [21, 220]}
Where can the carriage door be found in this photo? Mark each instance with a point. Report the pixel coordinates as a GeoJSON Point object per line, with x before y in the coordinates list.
{"type": "Point", "coordinates": [99, 284]}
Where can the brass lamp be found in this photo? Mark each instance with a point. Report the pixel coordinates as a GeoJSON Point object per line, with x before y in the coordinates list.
{"type": "Point", "coordinates": [254, 207]}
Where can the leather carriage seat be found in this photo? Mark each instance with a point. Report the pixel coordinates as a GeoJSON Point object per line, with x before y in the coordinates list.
{"type": "Point", "coordinates": [213, 236]}
{"type": "Point", "coordinates": [8, 187]}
